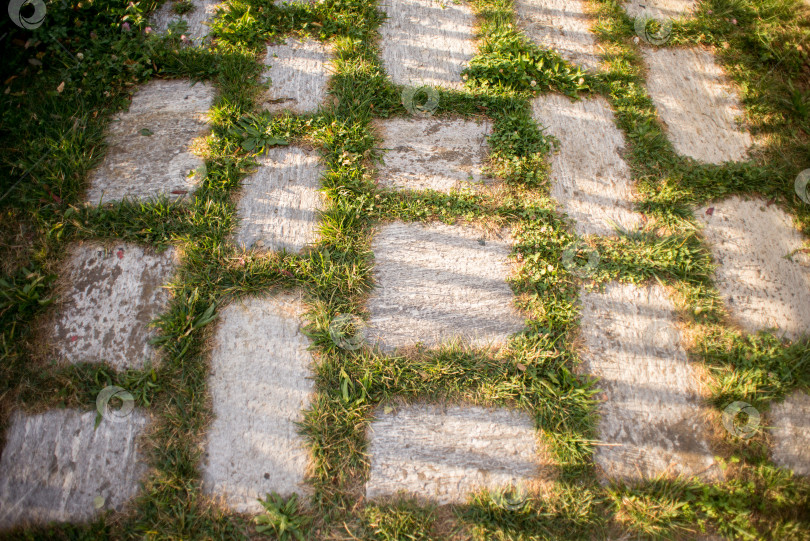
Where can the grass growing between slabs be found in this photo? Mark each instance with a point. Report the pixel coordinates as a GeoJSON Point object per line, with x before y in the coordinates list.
{"type": "Point", "coordinates": [535, 372]}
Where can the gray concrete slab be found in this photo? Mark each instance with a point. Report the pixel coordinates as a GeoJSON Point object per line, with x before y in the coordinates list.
{"type": "Point", "coordinates": [298, 71]}
{"type": "Point", "coordinates": [196, 20]}
{"type": "Point", "coordinates": [790, 421]}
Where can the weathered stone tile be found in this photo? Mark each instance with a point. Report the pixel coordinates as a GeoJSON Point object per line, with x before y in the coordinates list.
{"type": "Point", "coordinates": [436, 283]}
{"type": "Point", "coordinates": [149, 150]}
{"type": "Point", "coordinates": [298, 71]}
{"type": "Point", "coordinates": [790, 422]}
{"type": "Point", "coordinates": [561, 25]}
{"type": "Point", "coordinates": [651, 414]}
{"type": "Point", "coordinates": [279, 205]}
{"type": "Point", "coordinates": [436, 154]}
{"type": "Point", "coordinates": [109, 298]}
{"type": "Point", "coordinates": [259, 382]}
{"type": "Point", "coordinates": [56, 466]}
{"type": "Point", "coordinates": [196, 20]}
{"type": "Point", "coordinates": [763, 280]}
{"type": "Point", "coordinates": [427, 42]}
{"type": "Point", "coordinates": [697, 104]}
{"type": "Point", "coordinates": [446, 454]}
{"type": "Point", "coordinates": [659, 9]}
{"type": "Point", "coordinates": [589, 177]}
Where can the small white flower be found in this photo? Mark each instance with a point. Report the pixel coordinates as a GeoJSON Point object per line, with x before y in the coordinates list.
{"type": "Point", "coordinates": [534, 83]}
{"type": "Point", "coordinates": [635, 40]}
{"type": "Point", "coordinates": [80, 56]}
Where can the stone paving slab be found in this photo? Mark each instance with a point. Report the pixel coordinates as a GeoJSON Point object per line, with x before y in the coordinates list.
{"type": "Point", "coordinates": [435, 154]}
{"type": "Point", "coordinates": [589, 177]}
{"type": "Point", "coordinates": [561, 25]}
{"type": "Point", "coordinates": [790, 422]}
{"type": "Point", "coordinates": [437, 283]}
{"type": "Point", "coordinates": [109, 297]}
{"type": "Point", "coordinates": [279, 205]}
{"type": "Point", "coordinates": [142, 166]}
{"type": "Point", "coordinates": [762, 285]}
{"type": "Point", "coordinates": [196, 20]}
{"type": "Point", "coordinates": [298, 71]}
{"type": "Point", "coordinates": [444, 454]}
{"type": "Point", "coordinates": [57, 467]}
{"type": "Point", "coordinates": [259, 384]}
{"type": "Point", "coordinates": [651, 414]}
{"type": "Point", "coordinates": [697, 104]}
{"type": "Point", "coordinates": [659, 9]}
{"type": "Point", "coordinates": [427, 42]}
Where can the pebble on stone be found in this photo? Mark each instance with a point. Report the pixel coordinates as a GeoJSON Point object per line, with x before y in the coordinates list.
{"type": "Point", "coordinates": [427, 42]}
{"type": "Point", "coordinates": [763, 280]}
{"type": "Point", "coordinates": [260, 383]}
{"type": "Point", "coordinates": [435, 154]}
{"type": "Point", "coordinates": [561, 25]}
{"type": "Point", "coordinates": [149, 146]}
{"type": "Point", "coordinates": [298, 71]}
{"type": "Point", "coordinates": [445, 454]}
{"type": "Point", "coordinates": [279, 206]}
{"type": "Point", "coordinates": [652, 419]}
{"type": "Point", "coordinates": [589, 177]}
{"type": "Point", "coordinates": [196, 20]}
{"type": "Point", "coordinates": [56, 466]}
{"type": "Point", "coordinates": [659, 9]}
{"type": "Point", "coordinates": [790, 421]}
{"type": "Point", "coordinates": [697, 104]}
{"type": "Point", "coordinates": [436, 283]}
{"type": "Point", "coordinates": [108, 300]}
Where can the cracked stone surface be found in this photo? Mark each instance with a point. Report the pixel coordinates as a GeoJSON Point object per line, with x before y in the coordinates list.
{"type": "Point", "coordinates": [444, 454]}
{"type": "Point", "coordinates": [659, 9]}
{"type": "Point", "coordinates": [57, 467]}
{"type": "Point", "coordinates": [259, 384]}
{"type": "Point", "coordinates": [108, 299]}
{"type": "Point", "coordinates": [561, 25]}
{"type": "Point", "coordinates": [762, 285]}
{"type": "Point", "coordinates": [196, 20]}
{"type": "Point", "coordinates": [697, 104]}
{"type": "Point", "coordinates": [298, 71]}
{"type": "Point", "coordinates": [589, 177]}
{"type": "Point", "coordinates": [427, 42]}
{"type": "Point", "coordinates": [436, 283]}
{"type": "Point", "coordinates": [142, 166]}
{"type": "Point", "coordinates": [651, 414]}
{"type": "Point", "coordinates": [279, 205]}
{"type": "Point", "coordinates": [790, 421]}
{"type": "Point", "coordinates": [436, 154]}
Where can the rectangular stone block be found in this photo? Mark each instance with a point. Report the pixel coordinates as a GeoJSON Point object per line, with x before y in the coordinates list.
{"type": "Point", "coordinates": [427, 42]}
{"type": "Point", "coordinates": [790, 421]}
{"type": "Point", "coordinates": [196, 20]}
{"type": "Point", "coordinates": [280, 202]}
{"type": "Point", "coordinates": [561, 25]}
{"type": "Point", "coordinates": [108, 298]}
{"type": "Point", "coordinates": [762, 274]}
{"type": "Point", "coordinates": [435, 154]}
{"type": "Point", "coordinates": [652, 418]}
{"type": "Point", "coordinates": [589, 177]}
{"type": "Point", "coordinates": [436, 283]}
{"type": "Point", "coordinates": [697, 104]}
{"type": "Point", "coordinates": [150, 145]}
{"type": "Point", "coordinates": [445, 454]}
{"type": "Point", "coordinates": [259, 383]}
{"type": "Point", "coordinates": [57, 467]}
{"type": "Point", "coordinates": [298, 71]}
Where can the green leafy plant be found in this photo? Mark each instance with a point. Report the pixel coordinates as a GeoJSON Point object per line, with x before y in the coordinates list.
{"type": "Point", "coordinates": [282, 517]}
